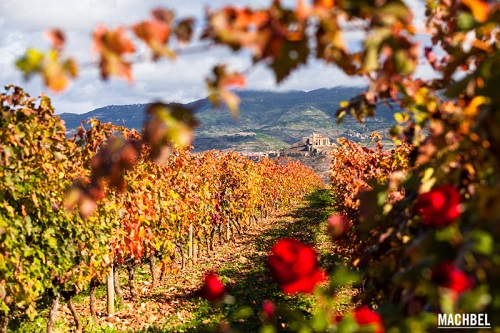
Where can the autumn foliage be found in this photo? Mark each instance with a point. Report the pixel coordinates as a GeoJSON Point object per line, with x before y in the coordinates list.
{"type": "Point", "coordinates": [355, 168]}
{"type": "Point", "coordinates": [423, 216]}
{"type": "Point", "coordinates": [206, 196]}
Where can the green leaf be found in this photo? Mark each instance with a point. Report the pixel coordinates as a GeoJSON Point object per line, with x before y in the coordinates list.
{"type": "Point", "coordinates": [268, 329]}
{"type": "Point", "coordinates": [445, 234]}
{"type": "Point", "coordinates": [340, 116]}
{"type": "Point", "coordinates": [319, 322]}
{"type": "Point", "coordinates": [31, 62]}
{"type": "Point", "coordinates": [476, 300]}
{"type": "Point", "coordinates": [52, 241]}
{"type": "Point", "coordinates": [166, 124]}
{"type": "Point", "coordinates": [466, 21]}
{"type": "Point", "coordinates": [402, 63]}
{"type": "Point", "coordinates": [483, 242]}
{"type": "Point", "coordinates": [343, 277]}
{"type": "Point", "coordinates": [291, 55]}
{"type": "Point", "coordinates": [347, 325]}
{"type": "Point", "coordinates": [371, 59]}
{"type": "Point", "coordinates": [242, 313]}
{"type": "Point", "coordinates": [397, 9]}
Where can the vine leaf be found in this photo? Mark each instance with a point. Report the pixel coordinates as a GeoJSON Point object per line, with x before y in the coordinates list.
{"type": "Point", "coordinates": [112, 45]}
{"type": "Point", "coordinates": [479, 8]}
{"type": "Point", "coordinates": [57, 37]}
{"type": "Point", "coordinates": [291, 54]}
{"type": "Point", "coordinates": [184, 30]}
{"type": "Point", "coordinates": [156, 32]}
{"type": "Point", "coordinates": [167, 124]}
{"type": "Point", "coordinates": [218, 85]}
{"type": "Point", "coordinates": [54, 71]}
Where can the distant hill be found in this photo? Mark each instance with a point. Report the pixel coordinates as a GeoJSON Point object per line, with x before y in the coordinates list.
{"type": "Point", "coordinates": [268, 120]}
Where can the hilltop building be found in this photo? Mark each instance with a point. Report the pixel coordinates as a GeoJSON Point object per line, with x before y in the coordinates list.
{"type": "Point", "coordinates": [316, 141]}
{"type": "Point", "coordinates": [315, 144]}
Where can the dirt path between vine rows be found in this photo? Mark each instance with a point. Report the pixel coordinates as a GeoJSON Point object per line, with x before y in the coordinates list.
{"type": "Point", "coordinates": [173, 305]}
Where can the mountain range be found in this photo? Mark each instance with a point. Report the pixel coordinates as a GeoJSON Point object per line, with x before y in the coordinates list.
{"type": "Point", "coordinates": [267, 120]}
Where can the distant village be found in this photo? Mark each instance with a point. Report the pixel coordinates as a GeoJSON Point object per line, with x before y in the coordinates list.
{"type": "Point", "coordinates": [316, 144]}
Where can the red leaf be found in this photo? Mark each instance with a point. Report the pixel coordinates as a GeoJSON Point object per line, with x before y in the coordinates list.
{"type": "Point", "coordinates": [164, 15]}
{"type": "Point", "coordinates": [234, 79]}
{"type": "Point", "coordinates": [56, 37]}
{"type": "Point", "coordinates": [184, 30]}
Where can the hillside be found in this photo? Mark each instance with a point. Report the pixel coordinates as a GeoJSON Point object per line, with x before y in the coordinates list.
{"type": "Point", "coordinates": [268, 120]}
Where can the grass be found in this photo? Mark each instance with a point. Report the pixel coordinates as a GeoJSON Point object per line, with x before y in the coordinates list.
{"type": "Point", "coordinates": [173, 306]}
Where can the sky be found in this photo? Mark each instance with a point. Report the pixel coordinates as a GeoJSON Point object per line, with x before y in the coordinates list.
{"type": "Point", "coordinates": [22, 23]}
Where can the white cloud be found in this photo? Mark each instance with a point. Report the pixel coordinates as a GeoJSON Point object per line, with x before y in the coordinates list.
{"type": "Point", "coordinates": [22, 23]}
{"type": "Point", "coordinates": [418, 9]}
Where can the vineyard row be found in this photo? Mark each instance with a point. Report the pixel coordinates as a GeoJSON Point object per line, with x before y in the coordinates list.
{"type": "Point", "coordinates": [158, 211]}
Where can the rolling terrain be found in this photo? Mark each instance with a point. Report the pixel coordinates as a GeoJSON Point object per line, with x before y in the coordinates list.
{"type": "Point", "coordinates": [267, 121]}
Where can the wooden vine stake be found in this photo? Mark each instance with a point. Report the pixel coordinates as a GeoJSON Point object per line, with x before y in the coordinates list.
{"type": "Point", "coordinates": [131, 284]}
{"type": "Point", "coordinates": [110, 284]}
{"type": "Point", "coordinates": [54, 307]}
{"type": "Point", "coordinates": [93, 309]}
{"type": "Point", "coordinates": [118, 290]}
{"type": "Point", "coordinates": [190, 245]}
{"type": "Point", "coordinates": [195, 252]}
{"type": "Point", "coordinates": [152, 268]}
{"type": "Point", "coordinates": [4, 322]}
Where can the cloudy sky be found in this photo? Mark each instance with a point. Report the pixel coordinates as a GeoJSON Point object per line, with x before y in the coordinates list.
{"type": "Point", "coordinates": [22, 23]}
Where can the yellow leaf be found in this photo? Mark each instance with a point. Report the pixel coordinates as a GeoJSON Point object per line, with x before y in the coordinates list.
{"type": "Point", "coordinates": [472, 109]}
{"type": "Point", "coordinates": [401, 117]}
{"type": "Point", "coordinates": [232, 101]}
{"type": "Point", "coordinates": [35, 200]}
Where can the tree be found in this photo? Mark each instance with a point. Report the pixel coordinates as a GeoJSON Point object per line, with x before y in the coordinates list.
{"type": "Point", "coordinates": [452, 122]}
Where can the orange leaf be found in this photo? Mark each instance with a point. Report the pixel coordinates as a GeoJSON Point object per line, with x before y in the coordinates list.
{"type": "Point", "coordinates": [111, 65]}
{"type": "Point", "coordinates": [152, 31]}
{"type": "Point", "coordinates": [325, 4]}
{"type": "Point", "coordinates": [112, 45]}
{"type": "Point", "coordinates": [479, 8]}
{"type": "Point", "coordinates": [234, 79]}
{"type": "Point", "coordinates": [112, 41]}
{"type": "Point", "coordinates": [155, 33]}
{"type": "Point", "coordinates": [303, 10]}
{"type": "Point", "coordinates": [55, 73]}
{"type": "Point", "coordinates": [56, 82]}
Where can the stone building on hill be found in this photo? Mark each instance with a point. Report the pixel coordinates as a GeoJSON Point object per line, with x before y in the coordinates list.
{"type": "Point", "coordinates": [316, 141]}
{"type": "Point", "coordinates": [315, 144]}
